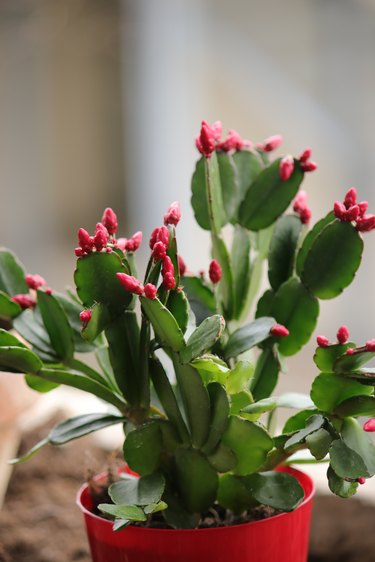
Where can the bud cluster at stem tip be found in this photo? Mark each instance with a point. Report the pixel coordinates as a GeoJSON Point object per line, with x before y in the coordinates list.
{"type": "Point", "coordinates": [351, 211]}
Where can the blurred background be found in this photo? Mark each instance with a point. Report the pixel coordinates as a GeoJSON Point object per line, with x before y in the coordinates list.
{"type": "Point", "coordinates": [100, 101]}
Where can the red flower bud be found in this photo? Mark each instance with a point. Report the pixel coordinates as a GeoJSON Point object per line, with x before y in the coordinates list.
{"type": "Point", "coordinates": [85, 241]}
{"type": "Point", "coordinates": [181, 265]}
{"type": "Point", "coordinates": [339, 210]}
{"type": "Point", "coordinates": [101, 237]}
{"type": "Point", "coordinates": [134, 242]}
{"type": "Point", "coordinates": [271, 143]}
{"type": "Point", "coordinates": [109, 220]}
{"type": "Point", "coordinates": [342, 334]}
{"type": "Point", "coordinates": [305, 155]}
{"type": "Point", "coordinates": [286, 167]}
{"type": "Point", "coordinates": [352, 213]}
{"type": "Point", "coordinates": [167, 266]}
{"type": "Point", "coordinates": [130, 283]}
{"type": "Point", "coordinates": [305, 215]}
{"type": "Point", "coordinates": [300, 201]}
{"type": "Point", "coordinates": [25, 301]}
{"type": "Point", "coordinates": [363, 205]}
{"type": "Point", "coordinates": [309, 166]}
{"type": "Point", "coordinates": [48, 291]}
{"type": "Point", "coordinates": [159, 251]}
{"type": "Point", "coordinates": [169, 281]}
{"type": "Point", "coordinates": [370, 345]}
{"type": "Point", "coordinates": [361, 480]}
{"type": "Point", "coordinates": [369, 425]}
{"type": "Point", "coordinates": [214, 272]}
{"type": "Point", "coordinates": [85, 316]}
{"type": "Point", "coordinates": [159, 235]}
{"type": "Point", "coordinates": [79, 252]}
{"type": "Point", "coordinates": [233, 142]}
{"type": "Point", "coordinates": [349, 351]}
{"type": "Point", "coordinates": [280, 331]}
{"type": "Point", "coordinates": [350, 198]}
{"type": "Point", "coordinates": [208, 138]}
{"type": "Point", "coordinates": [173, 215]}
{"type": "Point", "coordinates": [35, 281]}
{"type": "Point", "coordinates": [322, 341]}
{"type": "Point", "coordinates": [150, 291]}
{"type": "Point", "coordinates": [366, 223]}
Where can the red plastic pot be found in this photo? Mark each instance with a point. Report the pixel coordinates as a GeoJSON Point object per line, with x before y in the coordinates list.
{"type": "Point", "coordinates": [283, 537]}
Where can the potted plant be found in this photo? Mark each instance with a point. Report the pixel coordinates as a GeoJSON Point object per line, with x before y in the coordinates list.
{"type": "Point", "coordinates": [202, 451]}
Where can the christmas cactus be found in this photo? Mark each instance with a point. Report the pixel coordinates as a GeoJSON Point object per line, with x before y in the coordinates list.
{"type": "Point", "coordinates": [182, 368]}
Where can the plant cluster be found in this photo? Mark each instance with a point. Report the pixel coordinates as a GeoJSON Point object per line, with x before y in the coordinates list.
{"type": "Point", "coordinates": [206, 434]}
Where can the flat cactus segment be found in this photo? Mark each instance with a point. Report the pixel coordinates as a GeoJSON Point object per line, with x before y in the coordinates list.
{"type": "Point", "coordinates": [325, 357]}
{"type": "Point", "coordinates": [282, 251]}
{"type": "Point", "coordinates": [350, 363]}
{"type": "Point", "coordinates": [197, 481]}
{"type": "Point", "coordinates": [12, 274]}
{"type": "Point", "coordinates": [248, 336]}
{"type": "Point", "coordinates": [8, 308]}
{"type": "Point", "coordinates": [240, 255]}
{"type": "Point", "coordinates": [178, 305]}
{"type": "Point", "coordinates": [200, 296]}
{"type": "Point", "coordinates": [329, 390]}
{"type": "Point", "coordinates": [219, 404]}
{"type": "Point", "coordinates": [57, 325]}
{"type": "Point", "coordinates": [203, 338]}
{"type": "Point", "coordinates": [19, 360]}
{"type": "Point", "coordinates": [164, 323]}
{"type": "Point", "coordinates": [268, 197]}
{"type": "Point", "coordinates": [332, 260]}
{"type": "Point", "coordinates": [309, 239]}
{"type": "Point", "coordinates": [266, 374]}
{"type": "Point", "coordinates": [295, 308]}
{"type": "Point", "coordinates": [96, 281]}
{"type": "Point", "coordinates": [248, 165]}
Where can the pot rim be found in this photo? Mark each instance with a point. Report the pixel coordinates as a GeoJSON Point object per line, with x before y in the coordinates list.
{"type": "Point", "coordinates": [285, 468]}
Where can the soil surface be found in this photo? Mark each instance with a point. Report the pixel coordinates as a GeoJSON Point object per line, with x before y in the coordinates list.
{"type": "Point", "coordinates": [41, 523]}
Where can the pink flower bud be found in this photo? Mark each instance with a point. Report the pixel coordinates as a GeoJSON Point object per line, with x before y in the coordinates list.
{"type": "Point", "coordinates": [366, 223]}
{"type": "Point", "coordinates": [101, 237]}
{"type": "Point", "coordinates": [339, 210]}
{"type": "Point", "coordinates": [25, 301]}
{"type": "Point", "coordinates": [349, 351]}
{"type": "Point", "coordinates": [130, 283]}
{"type": "Point", "coordinates": [305, 155]}
{"type": "Point", "coordinates": [309, 166]}
{"type": "Point", "coordinates": [300, 201]}
{"type": "Point", "coordinates": [322, 341]}
{"type": "Point", "coordinates": [173, 215]}
{"type": "Point", "coordinates": [159, 235]}
{"type": "Point", "coordinates": [280, 331]}
{"type": "Point", "coordinates": [271, 143]}
{"type": "Point", "coordinates": [134, 242]}
{"type": "Point", "coordinates": [342, 334]}
{"type": "Point", "coordinates": [35, 281]}
{"type": "Point", "coordinates": [350, 198]}
{"type": "Point", "coordinates": [305, 215]}
{"type": "Point", "coordinates": [361, 480]}
{"type": "Point", "coordinates": [214, 272]}
{"type": "Point", "coordinates": [85, 241]}
{"type": "Point", "coordinates": [286, 167]}
{"type": "Point", "coordinates": [208, 138]}
{"type": "Point", "coordinates": [363, 205]}
{"type": "Point", "coordinates": [109, 220]}
{"type": "Point", "coordinates": [169, 281]}
{"type": "Point", "coordinates": [352, 213]}
{"type": "Point", "coordinates": [79, 252]}
{"type": "Point", "coordinates": [109, 250]}
{"type": "Point", "coordinates": [369, 425]}
{"type": "Point", "coordinates": [150, 291]}
{"type": "Point", "coordinates": [370, 345]}
{"type": "Point", "coordinates": [233, 142]}
{"type": "Point", "coordinates": [121, 243]}
{"type": "Point", "coordinates": [159, 251]}
{"type": "Point", "coordinates": [181, 265]}
{"type": "Point", "coordinates": [85, 316]}
{"type": "Point", "coordinates": [167, 266]}
{"type": "Point", "coordinates": [48, 291]}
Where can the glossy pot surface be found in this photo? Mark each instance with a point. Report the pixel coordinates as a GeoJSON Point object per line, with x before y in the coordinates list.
{"type": "Point", "coordinates": [282, 538]}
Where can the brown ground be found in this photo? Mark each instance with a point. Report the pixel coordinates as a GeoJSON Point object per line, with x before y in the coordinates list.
{"type": "Point", "coordinates": [40, 522]}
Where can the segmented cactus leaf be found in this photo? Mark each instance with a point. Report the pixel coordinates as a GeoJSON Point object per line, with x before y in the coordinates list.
{"type": "Point", "coordinates": [240, 256]}
{"type": "Point", "coordinates": [248, 166]}
{"type": "Point", "coordinates": [143, 448]}
{"type": "Point", "coordinates": [8, 308]}
{"type": "Point", "coordinates": [203, 338]}
{"type": "Point", "coordinates": [57, 325]}
{"type": "Point", "coordinates": [12, 274]}
{"type": "Point", "coordinates": [309, 239]}
{"type": "Point", "coordinates": [329, 390]}
{"type": "Point", "coordinates": [164, 323]}
{"type": "Point", "coordinates": [197, 481]}
{"type": "Point", "coordinates": [282, 250]}
{"type": "Point", "coordinates": [248, 336]}
{"type": "Point", "coordinates": [219, 406]}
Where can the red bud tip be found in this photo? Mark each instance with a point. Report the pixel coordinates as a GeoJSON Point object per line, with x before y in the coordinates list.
{"type": "Point", "coordinates": [286, 167]}
{"type": "Point", "coordinates": [361, 480]}
{"type": "Point", "coordinates": [159, 251]}
{"type": "Point", "coordinates": [214, 272]}
{"type": "Point", "coordinates": [233, 142]}
{"type": "Point", "coordinates": [305, 155]}
{"type": "Point", "coordinates": [181, 265]}
{"type": "Point", "coordinates": [352, 213]}
{"type": "Point", "coordinates": [349, 351]}
{"type": "Point", "coordinates": [85, 241]}
{"type": "Point", "coordinates": [369, 425]}
{"type": "Point", "coordinates": [305, 215]}
{"type": "Point", "coordinates": [130, 283]}
{"type": "Point", "coordinates": [25, 301]}
{"type": "Point", "coordinates": [169, 281]}
{"type": "Point", "coordinates": [300, 207]}
{"type": "Point", "coordinates": [366, 223]}
{"type": "Point", "coordinates": [159, 235]}
{"type": "Point", "coordinates": [134, 242]}
{"type": "Point", "coordinates": [150, 291]}
{"type": "Point", "coordinates": [109, 220]}
{"type": "Point", "coordinates": [208, 138]}
{"type": "Point", "coordinates": [35, 281]}
{"type": "Point", "coordinates": [173, 215]}
{"type": "Point", "coordinates": [339, 210]}
{"type": "Point", "coordinates": [309, 166]}
{"type": "Point", "coordinates": [363, 205]}
{"type": "Point", "coordinates": [79, 252]}
{"type": "Point", "coordinates": [322, 341]}
{"type": "Point", "coordinates": [101, 237]}
{"type": "Point", "coordinates": [85, 316]}
{"type": "Point", "coordinates": [342, 334]}
{"type": "Point", "coordinates": [350, 197]}
{"type": "Point", "coordinates": [167, 266]}
{"type": "Point", "coordinates": [280, 331]}
{"type": "Point", "coordinates": [370, 345]}
{"type": "Point", "coordinates": [271, 143]}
